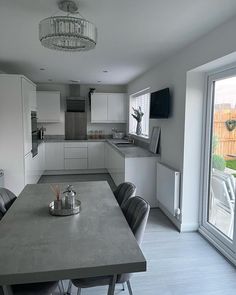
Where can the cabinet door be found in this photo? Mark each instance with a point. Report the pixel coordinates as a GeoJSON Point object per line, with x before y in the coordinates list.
{"type": "Point", "coordinates": [48, 106]}
{"type": "Point", "coordinates": [27, 90]}
{"type": "Point", "coordinates": [99, 107]}
{"type": "Point", "coordinates": [71, 164]}
{"type": "Point", "coordinates": [54, 155]}
{"type": "Point", "coordinates": [117, 107]}
{"type": "Point", "coordinates": [96, 155]}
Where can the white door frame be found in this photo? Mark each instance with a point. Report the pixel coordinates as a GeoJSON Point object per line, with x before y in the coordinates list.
{"type": "Point", "coordinates": [224, 244]}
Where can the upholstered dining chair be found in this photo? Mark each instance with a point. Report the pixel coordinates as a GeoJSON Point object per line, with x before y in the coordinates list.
{"type": "Point", "coordinates": [123, 192]}
{"type": "Point", "coordinates": [7, 198]}
{"type": "Point", "coordinates": [136, 211]}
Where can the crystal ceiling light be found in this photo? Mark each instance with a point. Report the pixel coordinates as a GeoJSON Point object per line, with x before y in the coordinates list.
{"type": "Point", "coordinates": [67, 33]}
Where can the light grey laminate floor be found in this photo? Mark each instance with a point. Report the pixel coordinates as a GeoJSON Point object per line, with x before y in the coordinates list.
{"type": "Point", "coordinates": [178, 264]}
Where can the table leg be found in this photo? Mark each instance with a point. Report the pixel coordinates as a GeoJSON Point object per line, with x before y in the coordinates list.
{"type": "Point", "coordinates": [7, 290]}
{"type": "Point", "coordinates": [111, 288]}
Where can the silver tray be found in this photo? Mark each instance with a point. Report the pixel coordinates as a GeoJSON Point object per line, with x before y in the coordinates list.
{"type": "Point", "coordinates": [65, 211]}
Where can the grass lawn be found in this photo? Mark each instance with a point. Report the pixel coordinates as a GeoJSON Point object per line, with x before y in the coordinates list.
{"type": "Point", "coordinates": [231, 164]}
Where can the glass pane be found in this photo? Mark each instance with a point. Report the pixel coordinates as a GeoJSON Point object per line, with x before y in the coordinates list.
{"type": "Point", "coordinates": [223, 157]}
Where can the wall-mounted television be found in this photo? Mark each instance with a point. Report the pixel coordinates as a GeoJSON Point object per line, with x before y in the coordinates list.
{"type": "Point", "coordinates": [160, 104]}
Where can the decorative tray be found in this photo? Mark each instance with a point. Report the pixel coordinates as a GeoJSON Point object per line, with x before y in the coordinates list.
{"type": "Point", "coordinates": [53, 210]}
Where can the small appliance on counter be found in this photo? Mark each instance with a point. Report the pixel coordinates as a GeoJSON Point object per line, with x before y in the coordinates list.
{"type": "Point", "coordinates": [116, 134]}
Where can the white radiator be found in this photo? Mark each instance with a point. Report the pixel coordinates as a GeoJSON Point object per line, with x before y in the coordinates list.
{"type": "Point", "coordinates": [168, 189]}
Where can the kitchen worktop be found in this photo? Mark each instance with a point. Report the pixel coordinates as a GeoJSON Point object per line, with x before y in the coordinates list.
{"type": "Point", "coordinates": [127, 152]}
{"type": "Point", "coordinates": [131, 151]}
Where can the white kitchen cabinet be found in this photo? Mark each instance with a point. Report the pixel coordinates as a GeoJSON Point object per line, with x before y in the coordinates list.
{"type": "Point", "coordinates": [54, 156]}
{"type": "Point", "coordinates": [74, 164]}
{"type": "Point", "coordinates": [108, 108]}
{"type": "Point", "coordinates": [76, 152]}
{"type": "Point", "coordinates": [48, 106]}
{"type": "Point", "coordinates": [115, 165]}
{"type": "Point", "coordinates": [15, 131]}
{"type": "Point", "coordinates": [117, 107]}
{"type": "Point", "coordinates": [27, 93]}
{"type": "Point", "coordinates": [35, 166]}
{"type": "Point", "coordinates": [141, 171]}
{"type": "Point", "coordinates": [99, 107]}
{"type": "Point", "coordinates": [96, 155]}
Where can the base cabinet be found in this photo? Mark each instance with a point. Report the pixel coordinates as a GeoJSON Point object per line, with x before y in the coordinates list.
{"type": "Point", "coordinates": [54, 156]}
{"type": "Point", "coordinates": [96, 155]}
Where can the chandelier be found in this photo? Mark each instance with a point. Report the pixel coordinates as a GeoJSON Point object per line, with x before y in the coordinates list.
{"type": "Point", "coordinates": [67, 33]}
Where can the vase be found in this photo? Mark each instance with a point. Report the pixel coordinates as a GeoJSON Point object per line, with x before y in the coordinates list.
{"type": "Point", "coordinates": [139, 128]}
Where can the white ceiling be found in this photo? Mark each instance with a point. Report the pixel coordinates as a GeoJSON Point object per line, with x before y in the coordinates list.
{"type": "Point", "coordinates": [133, 36]}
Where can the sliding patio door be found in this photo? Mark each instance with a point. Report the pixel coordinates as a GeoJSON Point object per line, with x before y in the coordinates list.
{"type": "Point", "coordinates": [219, 168]}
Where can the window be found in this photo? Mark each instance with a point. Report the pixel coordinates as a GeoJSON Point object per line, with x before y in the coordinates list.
{"type": "Point", "coordinates": [140, 99]}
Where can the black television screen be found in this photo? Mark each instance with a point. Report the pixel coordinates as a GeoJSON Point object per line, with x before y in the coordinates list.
{"type": "Point", "coordinates": [160, 104]}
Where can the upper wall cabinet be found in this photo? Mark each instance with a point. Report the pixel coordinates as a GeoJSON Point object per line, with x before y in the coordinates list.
{"type": "Point", "coordinates": [48, 106]}
{"type": "Point", "coordinates": [108, 108]}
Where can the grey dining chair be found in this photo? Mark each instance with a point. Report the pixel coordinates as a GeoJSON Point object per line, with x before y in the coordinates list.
{"type": "Point", "coordinates": [7, 198]}
{"type": "Point", "coordinates": [123, 192]}
{"type": "Point", "coordinates": [136, 212]}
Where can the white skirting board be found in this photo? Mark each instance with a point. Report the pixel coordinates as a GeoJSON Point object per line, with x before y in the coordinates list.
{"type": "Point", "coordinates": [75, 171]}
{"type": "Point", "coordinates": [168, 190]}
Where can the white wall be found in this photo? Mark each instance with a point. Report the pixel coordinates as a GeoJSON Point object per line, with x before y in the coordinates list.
{"type": "Point", "coordinates": [176, 145]}
{"type": "Point", "coordinates": [59, 128]}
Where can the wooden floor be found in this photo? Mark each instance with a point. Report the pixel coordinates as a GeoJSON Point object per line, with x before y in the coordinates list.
{"type": "Point", "coordinates": [178, 264]}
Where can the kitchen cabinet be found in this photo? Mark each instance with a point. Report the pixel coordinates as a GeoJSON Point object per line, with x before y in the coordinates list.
{"type": "Point", "coordinates": [54, 156]}
{"type": "Point", "coordinates": [96, 155]}
{"type": "Point", "coordinates": [76, 155]}
{"type": "Point", "coordinates": [28, 93]}
{"type": "Point", "coordinates": [99, 107]}
{"type": "Point", "coordinates": [15, 121]}
{"type": "Point", "coordinates": [48, 106]}
{"type": "Point", "coordinates": [115, 165]}
{"type": "Point", "coordinates": [108, 108]}
{"type": "Point", "coordinates": [116, 107]}
{"type": "Point", "coordinates": [35, 166]}
{"type": "Point", "coordinates": [141, 171]}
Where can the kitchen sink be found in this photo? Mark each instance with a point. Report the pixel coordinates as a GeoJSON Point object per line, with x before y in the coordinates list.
{"type": "Point", "coordinates": [124, 144]}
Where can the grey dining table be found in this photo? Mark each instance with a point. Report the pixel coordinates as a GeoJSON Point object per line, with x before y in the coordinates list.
{"type": "Point", "coordinates": [37, 247]}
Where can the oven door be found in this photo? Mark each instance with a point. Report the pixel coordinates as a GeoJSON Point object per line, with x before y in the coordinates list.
{"type": "Point", "coordinates": [34, 143]}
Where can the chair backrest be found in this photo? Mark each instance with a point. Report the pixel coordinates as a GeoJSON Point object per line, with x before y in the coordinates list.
{"type": "Point", "coordinates": [136, 212]}
{"type": "Point", "coordinates": [7, 198]}
{"type": "Point", "coordinates": [123, 192]}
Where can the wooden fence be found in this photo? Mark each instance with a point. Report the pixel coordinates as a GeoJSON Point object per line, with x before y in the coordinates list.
{"type": "Point", "coordinates": [226, 139]}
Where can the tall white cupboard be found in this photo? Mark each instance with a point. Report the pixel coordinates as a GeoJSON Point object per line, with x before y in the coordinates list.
{"type": "Point", "coordinates": [17, 100]}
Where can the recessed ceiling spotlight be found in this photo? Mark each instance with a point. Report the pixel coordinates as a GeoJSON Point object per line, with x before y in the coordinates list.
{"type": "Point", "coordinates": [99, 81]}
{"type": "Point", "coordinates": [50, 80]}
{"type": "Point", "coordinates": [105, 71]}
{"type": "Point", "coordinates": [42, 69]}
{"type": "Point", "coordinates": [74, 81]}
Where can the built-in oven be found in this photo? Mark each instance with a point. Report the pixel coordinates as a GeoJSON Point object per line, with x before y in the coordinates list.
{"type": "Point", "coordinates": [34, 133]}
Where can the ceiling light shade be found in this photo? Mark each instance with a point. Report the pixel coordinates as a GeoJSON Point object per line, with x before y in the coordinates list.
{"type": "Point", "coordinates": [67, 33]}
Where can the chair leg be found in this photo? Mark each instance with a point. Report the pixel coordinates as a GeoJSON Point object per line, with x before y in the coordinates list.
{"type": "Point", "coordinates": [129, 288]}
{"type": "Point", "coordinates": [112, 285]}
{"type": "Point", "coordinates": [79, 291]}
{"type": "Point", "coordinates": [69, 288]}
{"type": "Point", "coordinates": [123, 287]}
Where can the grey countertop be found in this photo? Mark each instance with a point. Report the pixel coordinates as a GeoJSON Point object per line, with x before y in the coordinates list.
{"type": "Point", "coordinates": [131, 151]}
{"type": "Point", "coordinates": [127, 152]}
{"type": "Point", "coordinates": [36, 246]}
